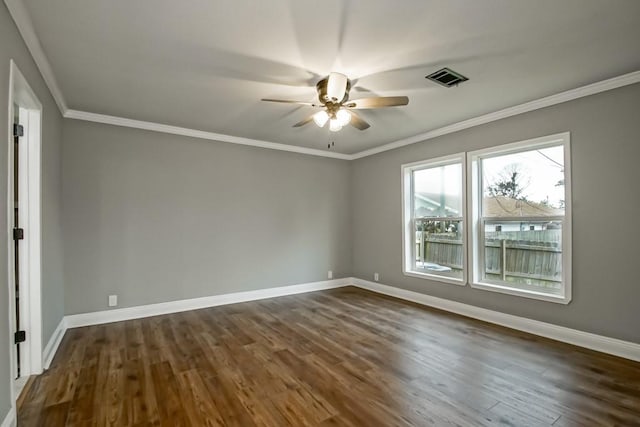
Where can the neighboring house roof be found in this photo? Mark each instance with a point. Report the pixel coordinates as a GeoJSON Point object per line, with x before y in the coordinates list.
{"type": "Point", "coordinates": [504, 206]}
{"type": "Point", "coordinates": [428, 204]}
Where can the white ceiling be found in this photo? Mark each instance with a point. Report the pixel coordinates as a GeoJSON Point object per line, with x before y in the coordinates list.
{"type": "Point", "coordinates": [205, 64]}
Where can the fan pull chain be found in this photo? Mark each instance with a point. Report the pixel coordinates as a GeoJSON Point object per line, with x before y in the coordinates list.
{"type": "Point", "coordinates": [330, 143]}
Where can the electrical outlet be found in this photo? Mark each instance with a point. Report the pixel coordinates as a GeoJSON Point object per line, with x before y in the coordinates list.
{"type": "Point", "coordinates": [330, 275]}
{"type": "Point", "coordinates": [113, 300]}
{"type": "Point", "coordinates": [376, 276]}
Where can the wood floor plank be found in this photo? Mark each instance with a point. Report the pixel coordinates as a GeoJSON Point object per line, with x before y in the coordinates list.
{"type": "Point", "coordinates": [167, 395]}
{"type": "Point", "coordinates": [227, 394]}
{"type": "Point", "coordinates": [343, 357]}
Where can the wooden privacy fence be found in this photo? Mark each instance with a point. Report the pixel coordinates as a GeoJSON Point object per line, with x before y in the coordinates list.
{"type": "Point", "coordinates": [535, 255]}
{"type": "Point", "coordinates": [524, 258]}
{"type": "Point", "coordinates": [442, 249]}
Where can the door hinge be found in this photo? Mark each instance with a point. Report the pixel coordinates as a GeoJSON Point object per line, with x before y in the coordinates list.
{"type": "Point", "coordinates": [18, 130]}
{"type": "Point", "coordinates": [20, 336]}
{"type": "Point", "coordinates": [18, 234]}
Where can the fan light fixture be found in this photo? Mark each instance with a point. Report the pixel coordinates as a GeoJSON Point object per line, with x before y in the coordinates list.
{"type": "Point", "coordinates": [343, 117]}
{"type": "Point", "coordinates": [336, 108]}
{"type": "Point", "coordinates": [320, 118]}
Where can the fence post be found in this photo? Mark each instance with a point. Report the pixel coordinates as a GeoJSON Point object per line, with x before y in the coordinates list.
{"type": "Point", "coordinates": [503, 256]}
{"type": "Point", "coordinates": [424, 245]}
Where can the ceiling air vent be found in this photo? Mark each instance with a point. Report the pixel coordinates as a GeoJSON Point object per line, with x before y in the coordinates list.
{"type": "Point", "coordinates": [447, 77]}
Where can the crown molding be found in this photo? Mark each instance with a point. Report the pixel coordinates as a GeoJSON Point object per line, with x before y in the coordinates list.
{"type": "Point", "coordinates": [20, 15]}
{"type": "Point", "coordinates": [175, 130]}
{"type": "Point", "coordinates": [23, 21]}
{"type": "Point", "coordinates": [548, 101]}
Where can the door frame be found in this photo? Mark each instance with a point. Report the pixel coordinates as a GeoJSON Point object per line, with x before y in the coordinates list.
{"type": "Point", "coordinates": [21, 94]}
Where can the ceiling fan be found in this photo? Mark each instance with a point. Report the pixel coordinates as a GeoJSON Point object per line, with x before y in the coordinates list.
{"type": "Point", "coordinates": [337, 109]}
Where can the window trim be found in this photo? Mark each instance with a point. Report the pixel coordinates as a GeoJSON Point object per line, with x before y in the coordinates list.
{"type": "Point", "coordinates": [408, 246]}
{"type": "Point", "coordinates": [475, 234]}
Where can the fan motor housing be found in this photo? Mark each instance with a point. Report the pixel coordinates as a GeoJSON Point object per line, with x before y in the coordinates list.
{"type": "Point", "coordinates": [321, 87]}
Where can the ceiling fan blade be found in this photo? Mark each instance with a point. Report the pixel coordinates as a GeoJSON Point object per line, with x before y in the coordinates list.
{"type": "Point", "coordinates": [304, 121]}
{"type": "Point", "coordinates": [288, 101]}
{"type": "Point", "coordinates": [378, 102]}
{"type": "Point", "coordinates": [358, 123]}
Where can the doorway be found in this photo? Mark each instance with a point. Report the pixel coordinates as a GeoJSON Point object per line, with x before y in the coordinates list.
{"type": "Point", "coordinates": [24, 235]}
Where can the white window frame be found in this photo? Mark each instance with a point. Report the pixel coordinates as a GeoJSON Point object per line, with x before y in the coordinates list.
{"type": "Point", "coordinates": [408, 244]}
{"type": "Point", "coordinates": [476, 231]}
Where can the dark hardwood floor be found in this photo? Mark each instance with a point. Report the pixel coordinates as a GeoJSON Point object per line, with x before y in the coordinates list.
{"type": "Point", "coordinates": [344, 357]}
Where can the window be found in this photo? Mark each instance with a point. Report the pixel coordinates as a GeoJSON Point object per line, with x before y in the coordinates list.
{"type": "Point", "coordinates": [434, 205]}
{"type": "Point", "coordinates": [518, 219]}
{"type": "Point", "coordinates": [521, 221]}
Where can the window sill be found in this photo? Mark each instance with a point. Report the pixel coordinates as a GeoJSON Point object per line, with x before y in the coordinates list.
{"type": "Point", "coordinates": [435, 278]}
{"type": "Point", "coordinates": [493, 287]}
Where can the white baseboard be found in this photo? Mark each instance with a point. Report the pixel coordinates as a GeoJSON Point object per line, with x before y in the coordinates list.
{"type": "Point", "coordinates": [53, 344]}
{"type": "Point", "coordinates": [588, 340]}
{"type": "Point", "coordinates": [137, 312]}
{"type": "Point", "coordinates": [10, 419]}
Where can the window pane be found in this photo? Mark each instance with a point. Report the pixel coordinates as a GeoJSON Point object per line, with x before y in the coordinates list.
{"type": "Point", "coordinates": [528, 183]}
{"type": "Point", "coordinates": [439, 248]}
{"type": "Point", "coordinates": [438, 191]}
{"type": "Point", "coordinates": [526, 255]}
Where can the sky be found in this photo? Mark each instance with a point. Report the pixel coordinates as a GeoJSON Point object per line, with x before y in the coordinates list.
{"type": "Point", "coordinates": [541, 170]}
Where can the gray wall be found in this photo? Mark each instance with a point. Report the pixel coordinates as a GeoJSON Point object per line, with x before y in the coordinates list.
{"type": "Point", "coordinates": [605, 132]}
{"type": "Point", "coordinates": [156, 217]}
{"type": "Point", "coordinates": [159, 217]}
{"type": "Point", "coordinates": [12, 47]}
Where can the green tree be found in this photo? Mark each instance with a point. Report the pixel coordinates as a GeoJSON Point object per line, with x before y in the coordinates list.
{"type": "Point", "coordinates": [510, 183]}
